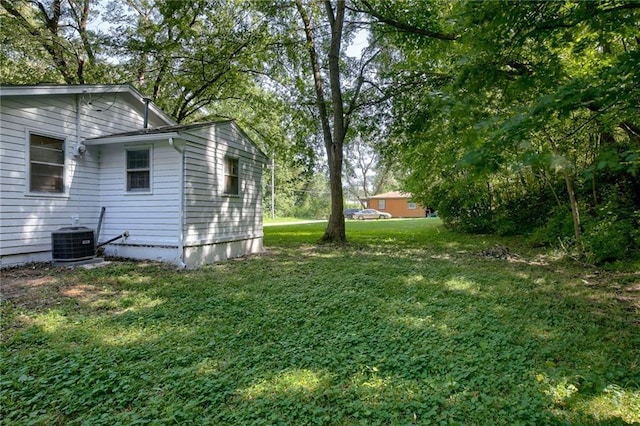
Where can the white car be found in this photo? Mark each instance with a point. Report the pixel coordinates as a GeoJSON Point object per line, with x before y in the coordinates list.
{"type": "Point", "coordinates": [371, 214]}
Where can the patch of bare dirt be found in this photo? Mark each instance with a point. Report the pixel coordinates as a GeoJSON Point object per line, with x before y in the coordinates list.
{"type": "Point", "coordinates": [39, 286]}
{"type": "Point", "coordinates": [27, 285]}
{"type": "Point", "coordinates": [622, 287]}
{"type": "Point", "coordinates": [84, 293]}
{"type": "Point", "coordinates": [631, 295]}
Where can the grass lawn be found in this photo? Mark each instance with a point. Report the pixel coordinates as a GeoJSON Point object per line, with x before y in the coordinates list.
{"type": "Point", "coordinates": [282, 220]}
{"type": "Point", "coordinates": [409, 324]}
{"type": "Point", "coordinates": [290, 221]}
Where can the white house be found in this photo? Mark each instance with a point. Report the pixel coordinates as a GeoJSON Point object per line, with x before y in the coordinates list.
{"type": "Point", "coordinates": [186, 194]}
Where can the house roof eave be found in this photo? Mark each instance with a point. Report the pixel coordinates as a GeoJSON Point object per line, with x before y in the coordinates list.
{"type": "Point", "coordinates": [251, 141]}
{"type": "Point", "coordinates": [149, 134]}
{"type": "Point", "coordinates": [68, 89]}
{"type": "Point", "coordinates": [136, 138]}
{"type": "Point", "coordinates": [78, 89]}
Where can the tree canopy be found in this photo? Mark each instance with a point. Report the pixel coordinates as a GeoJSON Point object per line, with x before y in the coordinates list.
{"type": "Point", "coordinates": [521, 115]}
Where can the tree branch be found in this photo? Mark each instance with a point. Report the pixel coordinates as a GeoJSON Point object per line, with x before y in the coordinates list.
{"type": "Point", "coordinates": [317, 76]}
{"type": "Point", "coordinates": [405, 27]}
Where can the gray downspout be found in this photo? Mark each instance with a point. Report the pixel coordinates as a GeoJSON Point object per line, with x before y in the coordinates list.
{"type": "Point", "coordinates": [100, 224]}
{"type": "Point", "coordinates": [78, 121]}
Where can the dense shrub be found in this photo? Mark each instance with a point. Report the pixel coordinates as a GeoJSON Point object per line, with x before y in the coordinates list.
{"type": "Point", "coordinates": [523, 214]}
{"type": "Point", "coordinates": [464, 206]}
{"type": "Point", "coordinates": [607, 240]}
{"type": "Point", "coordinates": [612, 234]}
{"type": "Point", "coordinates": [313, 207]}
{"type": "Point", "coordinates": [557, 228]}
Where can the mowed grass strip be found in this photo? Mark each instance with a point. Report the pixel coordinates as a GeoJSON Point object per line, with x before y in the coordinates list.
{"type": "Point", "coordinates": [407, 324]}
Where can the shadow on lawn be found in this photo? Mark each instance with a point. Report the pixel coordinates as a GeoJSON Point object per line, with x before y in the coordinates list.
{"type": "Point", "coordinates": [361, 335]}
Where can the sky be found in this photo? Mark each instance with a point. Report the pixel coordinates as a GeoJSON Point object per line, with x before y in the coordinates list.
{"type": "Point", "coordinates": [360, 42]}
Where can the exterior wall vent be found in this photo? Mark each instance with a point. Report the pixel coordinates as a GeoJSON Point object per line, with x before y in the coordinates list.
{"type": "Point", "coordinates": [73, 244]}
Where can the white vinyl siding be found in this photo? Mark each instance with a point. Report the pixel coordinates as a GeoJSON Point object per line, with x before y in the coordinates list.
{"type": "Point", "coordinates": [151, 218]}
{"type": "Point", "coordinates": [27, 219]}
{"type": "Point", "coordinates": [109, 113]}
{"type": "Point", "coordinates": [209, 215]}
{"type": "Point", "coordinates": [193, 180]}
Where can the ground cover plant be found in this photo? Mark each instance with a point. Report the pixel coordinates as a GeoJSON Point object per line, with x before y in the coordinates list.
{"type": "Point", "coordinates": [408, 324]}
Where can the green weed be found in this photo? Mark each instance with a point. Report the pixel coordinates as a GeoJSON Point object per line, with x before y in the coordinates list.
{"type": "Point", "coordinates": [407, 324]}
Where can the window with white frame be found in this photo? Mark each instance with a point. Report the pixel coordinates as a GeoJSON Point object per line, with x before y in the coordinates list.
{"type": "Point", "coordinates": [46, 164]}
{"type": "Point", "coordinates": [138, 169]}
{"type": "Point", "coordinates": [382, 204]}
{"type": "Point", "coordinates": [411, 205]}
{"type": "Point", "coordinates": [231, 176]}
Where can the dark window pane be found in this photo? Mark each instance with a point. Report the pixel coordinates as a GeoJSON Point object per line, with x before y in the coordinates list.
{"type": "Point", "coordinates": [46, 157]}
{"type": "Point", "coordinates": [46, 142]}
{"type": "Point", "coordinates": [138, 181]}
{"type": "Point", "coordinates": [46, 178]}
{"type": "Point", "coordinates": [138, 170]}
{"type": "Point", "coordinates": [231, 180]}
{"type": "Point", "coordinates": [138, 159]}
{"type": "Point", "coordinates": [231, 185]}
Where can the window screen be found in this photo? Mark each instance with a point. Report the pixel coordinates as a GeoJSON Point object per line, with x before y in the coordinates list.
{"type": "Point", "coordinates": [138, 170]}
{"type": "Point", "coordinates": [231, 176]}
{"type": "Point", "coordinates": [46, 164]}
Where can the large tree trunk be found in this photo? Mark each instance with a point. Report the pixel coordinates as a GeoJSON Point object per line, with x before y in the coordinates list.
{"type": "Point", "coordinates": [336, 231]}
{"type": "Point", "coordinates": [333, 140]}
